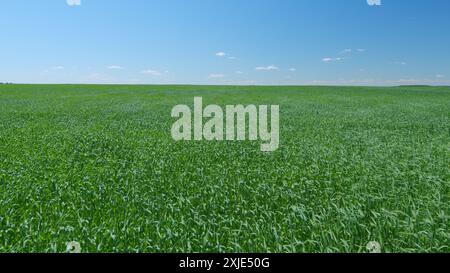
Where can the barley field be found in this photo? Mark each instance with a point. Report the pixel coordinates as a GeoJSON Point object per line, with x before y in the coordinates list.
{"type": "Point", "coordinates": [96, 164]}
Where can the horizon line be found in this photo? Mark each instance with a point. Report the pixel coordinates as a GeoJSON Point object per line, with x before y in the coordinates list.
{"type": "Point", "coordinates": [245, 85]}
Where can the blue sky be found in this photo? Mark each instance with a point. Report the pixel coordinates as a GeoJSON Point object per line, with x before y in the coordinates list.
{"type": "Point", "coordinates": [285, 42]}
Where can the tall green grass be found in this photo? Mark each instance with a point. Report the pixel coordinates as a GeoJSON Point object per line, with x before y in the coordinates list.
{"type": "Point", "coordinates": [97, 165]}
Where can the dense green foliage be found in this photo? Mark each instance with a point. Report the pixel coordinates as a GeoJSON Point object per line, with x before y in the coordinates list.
{"type": "Point", "coordinates": [97, 165]}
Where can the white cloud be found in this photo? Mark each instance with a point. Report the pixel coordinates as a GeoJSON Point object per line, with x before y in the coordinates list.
{"type": "Point", "coordinates": [239, 72]}
{"type": "Point", "coordinates": [400, 63]}
{"type": "Point", "coordinates": [374, 2]}
{"type": "Point", "coordinates": [59, 67]}
{"type": "Point", "coordinates": [115, 67]}
{"type": "Point", "coordinates": [222, 54]}
{"type": "Point", "coordinates": [151, 72]}
{"type": "Point", "coordinates": [216, 76]}
{"type": "Point", "coordinates": [267, 68]}
{"type": "Point", "coordinates": [73, 2]}
{"type": "Point", "coordinates": [350, 50]}
{"type": "Point", "coordinates": [328, 60]}
{"type": "Point", "coordinates": [292, 69]}
{"type": "Point", "coordinates": [440, 76]}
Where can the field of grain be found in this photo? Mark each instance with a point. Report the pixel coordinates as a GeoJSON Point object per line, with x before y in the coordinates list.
{"type": "Point", "coordinates": [97, 165]}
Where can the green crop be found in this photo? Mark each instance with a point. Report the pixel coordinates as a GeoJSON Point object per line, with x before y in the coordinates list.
{"type": "Point", "coordinates": [97, 165]}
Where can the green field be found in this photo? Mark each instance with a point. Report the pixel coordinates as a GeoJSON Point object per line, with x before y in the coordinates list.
{"type": "Point", "coordinates": [97, 165]}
